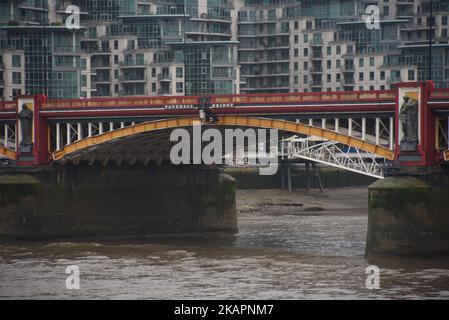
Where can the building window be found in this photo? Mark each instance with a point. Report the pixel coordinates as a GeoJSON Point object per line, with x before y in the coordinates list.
{"type": "Point", "coordinates": [329, 51]}
{"type": "Point", "coordinates": [16, 93]}
{"type": "Point", "coordinates": [16, 78]}
{"type": "Point", "coordinates": [361, 88]}
{"type": "Point", "coordinates": [338, 64]}
{"type": "Point", "coordinates": [179, 87]}
{"type": "Point", "coordinates": [116, 74]}
{"type": "Point", "coordinates": [16, 61]}
{"type": "Point", "coordinates": [444, 20]}
{"type": "Point", "coordinates": [386, 10]}
{"type": "Point", "coordinates": [371, 76]}
{"type": "Point", "coordinates": [371, 88]}
{"type": "Point", "coordinates": [116, 88]}
{"type": "Point", "coordinates": [306, 65]}
{"type": "Point", "coordinates": [153, 87]}
{"type": "Point", "coordinates": [338, 77]}
{"type": "Point", "coordinates": [116, 45]}
{"type": "Point", "coordinates": [329, 64]}
{"type": "Point", "coordinates": [371, 62]}
{"type": "Point", "coordinates": [306, 52]}
{"type": "Point", "coordinates": [382, 87]}
{"type": "Point", "coordinates": [411, 75]}
{"type": "Point", "coordinates": [306, 79]}
{"type": "Point", "coordinates": [361, 62]}
{"type": "Point", "coordinates": [179, 72]}
{"type": "Point", "coordinates": [382, 75]}
{"type": "Point", "coordinates": [83, 64]}
{"type": "Point", "coordinates": [295, 66]}
{"type": "Point", "coordinates": [306, 38]}
{"type": "Point", "coordinates": [296, 53]}
{"type": "Point", "coordinates": [115, 59]}
{"type": "Point", "coordinates": [296, 39]}
{"type": "Point", "coordinates": [338, 50]}
{"type": "Point", "coordinates": [296, 25]}
{"type": "Point", "coordinates": [295, 79]}
{"type": "Point", "coordinates": [329, 78]}
{"type": "Point", "coordinates": [361, 76]}
{"type": "Point", "coordinates": [153, 72]}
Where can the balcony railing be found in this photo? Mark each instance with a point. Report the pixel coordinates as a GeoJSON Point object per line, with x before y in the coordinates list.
{"type": "Point", "coordinates": [133, 78]}
{"type": "Point", "coordinates": [101, 64]}
{"type": "Point", "coordinates": [316, 69]}
{"type": "Point", "coordinates": [134, 93]}
{"type": "Point", "coordinates": [391, 80]}
{"type": "Point", "coordinates": [102, 79]}
{"type": "Point", "coordinates": [164, 77]}
{"type": "Point", "coordinates": [316, 42]}
{"type": "Point", "coordinates": [316, 83]}
{"type": "Point", "coordinates": [348, 68]}
{"type": "Point", "coordinates": [317, 55]}
{"type": "Point", "coordinates": [133, 63]}
{"type": "Point", "coordinates": [347, 81]}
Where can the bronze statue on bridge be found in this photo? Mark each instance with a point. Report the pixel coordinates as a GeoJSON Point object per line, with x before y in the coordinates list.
{"type": "Point", "coordinates": [409, 120]}
{"type": "Point", "coordinates": [26, 125]}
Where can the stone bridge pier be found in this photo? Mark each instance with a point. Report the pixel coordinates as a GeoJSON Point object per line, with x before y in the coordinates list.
{"type": "Point", "coordinates": [115, 201]}
{"type": "Point", "coordinates": [409, 210]}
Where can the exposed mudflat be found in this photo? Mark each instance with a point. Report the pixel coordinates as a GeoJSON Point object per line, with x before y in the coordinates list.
{"type": "Point", "coordinates": [339, 201]}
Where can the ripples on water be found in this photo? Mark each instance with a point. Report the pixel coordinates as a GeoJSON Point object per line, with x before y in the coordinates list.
{"type": "Point", "coordinates": [286, 257]}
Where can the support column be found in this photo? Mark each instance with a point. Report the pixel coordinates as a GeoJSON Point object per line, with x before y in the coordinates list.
{"type": "Point", "coordinates": [6, 136]}
{"type": "Point", "coordinates": [80, 131]}
{"type": "Point", "coordinates": [89, 128]}
{"type": "Point", "coordinates": [377, 131]}
{"type": "Point", "coordinates": [307, 175]}
{"type": "Point", "coordinates": [58, 136]}
{"type": "Point", "coordinates": [363, 128]}
{"type": "Point", "coordinates": [69, 136]}
{"type": "Point", "coordinates": [391, 133]}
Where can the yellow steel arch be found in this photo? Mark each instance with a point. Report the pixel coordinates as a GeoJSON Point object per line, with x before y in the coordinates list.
{"type": "Point", "coordinates": [240, 121]}
{"type": "Point", "coordinates": [5, 152]}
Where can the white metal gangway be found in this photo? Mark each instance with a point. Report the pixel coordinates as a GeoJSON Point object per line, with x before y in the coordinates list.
{"type": "Point", "coordinates": [333, 154]}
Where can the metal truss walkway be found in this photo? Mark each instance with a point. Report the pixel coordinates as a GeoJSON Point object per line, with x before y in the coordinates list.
{"type": "Point", "coordinates": [334, 154]}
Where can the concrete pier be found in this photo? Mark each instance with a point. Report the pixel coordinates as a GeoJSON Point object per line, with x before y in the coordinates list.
{"type": "Point", "coordinates": [102, 202]}
{"type": "Point", "coordinates": [407, 217]}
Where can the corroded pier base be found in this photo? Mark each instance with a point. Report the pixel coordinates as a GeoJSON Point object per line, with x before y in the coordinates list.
{"type": "Point", "coordinates": [407, 216]}
{"type": "Point", "coordinates": [107, 202]}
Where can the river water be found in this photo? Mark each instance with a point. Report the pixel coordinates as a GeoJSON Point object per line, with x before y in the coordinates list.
{"type": "Point", "coordinates": [273, 257]}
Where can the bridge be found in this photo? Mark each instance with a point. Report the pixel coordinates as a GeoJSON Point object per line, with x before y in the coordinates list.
{"type": "Point", "coordinates": [136, 129]}
{"type": "Point", "coordinates": [74, 166]}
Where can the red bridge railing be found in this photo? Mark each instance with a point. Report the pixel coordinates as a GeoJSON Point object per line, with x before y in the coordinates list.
{"type": "Point", "coordinates": [8, 105]}
{"type": "Point", "coordinates": [223, 99]}
{"type": "Point", "coordinates": [343, 96]}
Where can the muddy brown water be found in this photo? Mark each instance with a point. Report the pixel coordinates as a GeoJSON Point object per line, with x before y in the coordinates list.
{"type": "Point", "coordinates": [282, 252]}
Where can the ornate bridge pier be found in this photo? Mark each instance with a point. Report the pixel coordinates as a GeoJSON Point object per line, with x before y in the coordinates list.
{"type": "Point", "coordinates": [408, 211]}
{"type": "Point", "coordinates": [108, 201]}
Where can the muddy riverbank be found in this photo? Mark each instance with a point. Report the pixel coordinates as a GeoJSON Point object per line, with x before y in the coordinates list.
{"type": "Point", "coordinates": [334, 201]}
